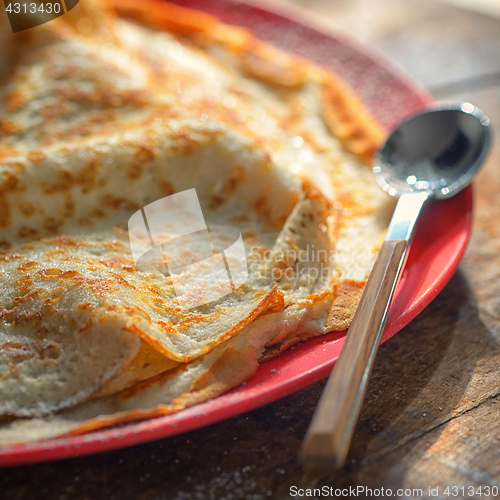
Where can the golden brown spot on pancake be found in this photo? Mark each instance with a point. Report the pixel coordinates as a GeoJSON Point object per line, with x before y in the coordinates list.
{"type": "Point", "coordinates": [56, 293]}
{"type": "Point", "coordinates": [347, 120]}
{"type": "Point", "coordinates": [36, 155]}
{"type": "Point", "coordinates": [26, 208]}
{"type": "Point", "coordinates": [64, 182]}
{"type": "Point", "coordinates": [134, 171]}
{"type": "Point", "coordinates": [169, 17]}
{"type": "Point", "coordinates": [114, 245]}
{"type": "Point", "coordinates": [87, 178]}
{"type": "Point", "coordinates": [6, 258]}
{"type": "Point", "coordinates": [85, 222]}
{"type": "Point", "coordinates": [97, 212]}
{"type": "Point", "coordinates": [103, 96]}
{"type": "Point", "coordinates": [85, 306]}
{"type": "Point", "coordinates": [5, 216]}
{"type": "Point", "coordinates": [54, 254]}
{"type": "Point", "coordinates": [26, 265]}
{"type": "Point", "coordinates": [121, 229]}
{"type": "Point", "coordinates": [46, 310]}
{"type": "Point", "coordinates": [95, 120]}
{"type": "Point", "coordinates": [168, 327]}
{"type": "Point", "coordinates": [311, 142]}
{"type": "Point", "coordinates": [183, 142]}
{"type": "Point", "coordinates": [8, 127]}
{"type": "Point", "coordinates": [143, 154]}
{"type": "Point", "coordinates": [19, 352]}
{"type": "Point", "coordinates": [8, 316]}
{"type": "Point", "coordinates": [15, 100]}
{"type": "Point", "coordinates": [69, 207]}
{"type": "Point", "coordinates": [117, 203]}
{"type": "Point", "coordinates": [51, 352]}
{"type": "Point", "coordinates": [52, 225]}
{"type": "Point", "coordinates": [25, 285]}
{"type": "Point", "coordinates": [120, 262]}
{"type": "Point", "coordinates": [50, 273]}
{"type": "Point", "coordinates": [10, 183]}
{"type": "Point", "coordinates": [228, 187]}
{"type": "Point", "coordinates": [263, 62]}
{"type": "Point", "coordinates": [264, 208]}
{"type": "Point", "coordinates": [242, 218]}
{"type": "Point", "coordinates": [166, 188]}
{"type": "Point", "coordinates": [66, 241]}
{"type": "Point", "coordinates": [27, 232]}
{"type": "Point", "coordinates": [69, 274]}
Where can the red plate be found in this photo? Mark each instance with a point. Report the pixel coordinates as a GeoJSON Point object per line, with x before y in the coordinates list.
{"type": "Point", "coordinates": [438, 245]}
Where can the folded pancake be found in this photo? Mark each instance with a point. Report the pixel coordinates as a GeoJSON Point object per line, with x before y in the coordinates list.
{"type": "Point", "coordinates": [104, 117]}
{"type": "Point", "coordinates": [224, 367]}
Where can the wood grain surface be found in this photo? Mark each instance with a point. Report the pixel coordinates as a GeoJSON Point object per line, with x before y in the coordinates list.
{"type": "Point", "coordinates": [431, 417]}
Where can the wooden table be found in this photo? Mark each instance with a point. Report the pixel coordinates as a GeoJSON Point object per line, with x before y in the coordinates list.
{"type": "Point", "coordinates": [431, 417]}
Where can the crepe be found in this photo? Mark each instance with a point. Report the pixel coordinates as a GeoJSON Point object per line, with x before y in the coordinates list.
{"type": "Point", "coordinates": [106, 319]}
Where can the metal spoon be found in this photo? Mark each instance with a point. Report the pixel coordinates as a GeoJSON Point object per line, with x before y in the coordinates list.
{"type": "Point", "coordinates": [434, 154]}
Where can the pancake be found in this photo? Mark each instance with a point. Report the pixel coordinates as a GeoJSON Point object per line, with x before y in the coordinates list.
{"type": "Point", "coordinates": [112, 112]}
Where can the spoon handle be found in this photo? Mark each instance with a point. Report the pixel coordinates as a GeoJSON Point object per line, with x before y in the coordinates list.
{"type": "Point", "coordinates": [329, 435]}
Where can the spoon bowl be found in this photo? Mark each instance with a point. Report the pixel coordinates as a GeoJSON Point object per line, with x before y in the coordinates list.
{"type": "Point", "coordinates": [438, 151]}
